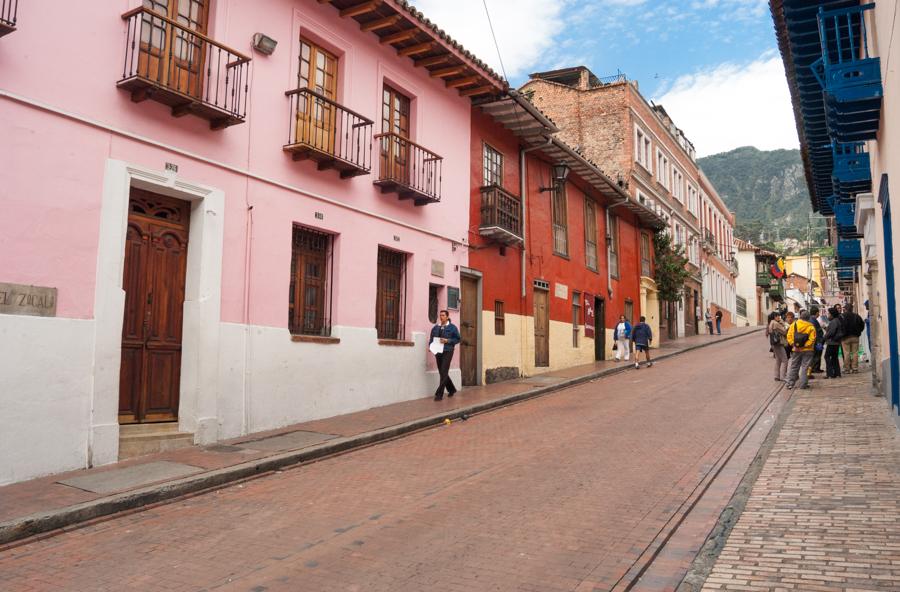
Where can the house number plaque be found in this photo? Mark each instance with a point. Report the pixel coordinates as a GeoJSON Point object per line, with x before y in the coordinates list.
{"type": "Point", "coordinates": [27, 300]}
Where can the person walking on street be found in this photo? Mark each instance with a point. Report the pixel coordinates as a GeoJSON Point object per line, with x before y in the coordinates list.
{"type": "Point", "coordinates": [642, 337]}
{"type": "Point", "coordinates": [853, 326]}
{"type": "Point", "coordinates": [833, 335]}
{"type": "Point", "coordinates": [447, 334]}
{"type": "Point", "coordinates": [622, 339]}
{"type": "Point", "coordinates": [801, 336]}
{"type": "Point", "coordinates": [709, 320]}
{"type": "Point", "coordinates": [820, 339]}
{"type": "Point", "coordinates": [719, 321]}
{"type": "Point", "coordinates": [777, 332]}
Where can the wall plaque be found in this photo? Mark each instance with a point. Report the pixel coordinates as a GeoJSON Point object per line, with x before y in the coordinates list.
{"type": "Point", "coordinates": [437, 268]}
{"type": "Point", "coordinates": [36, 301]}
{"type": "Point", "coordinates": [561, 291]}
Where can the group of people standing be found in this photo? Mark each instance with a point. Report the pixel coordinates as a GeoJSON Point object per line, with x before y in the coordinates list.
{"type": "Point", "coordinates": [800, 341]}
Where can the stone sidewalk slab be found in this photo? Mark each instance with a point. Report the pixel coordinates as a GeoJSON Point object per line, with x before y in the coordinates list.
{"type": "Point", "coordinates": [822, 514]}
{"type": "Point", "coordinates": [45, 504]}
{"type": "Point", "coordinates": [130, 477]}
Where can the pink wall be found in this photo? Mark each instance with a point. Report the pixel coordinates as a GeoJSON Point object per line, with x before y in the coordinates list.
{"type": "Point", "coordinates": [48, 233]}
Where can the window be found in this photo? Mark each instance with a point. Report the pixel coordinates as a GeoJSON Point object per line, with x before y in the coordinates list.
{"type": "Point", "coordinates": [576, 317]}
{"type": "Point", "coordinates": [453, 298]}
{"type": "Point", "coordinates": [645, 254]}
{"type": "Point", "coordinates": [590, 234]}
{"type": "Point", "coordinates": [629, 310]}
{"type": "Point", "coordinates": [642, 149]}
{"type": "Point", "coordinates": [499, 318]}
{"type": "Point", "coordinates": [613, 239]}
{"type": "Point", "coordinates": [560, 221]}
{"type": "Point", "coordinates": [395, 109]}
{"type": "Point", "coordinates": [390, 299]}
{"type": "Point", "coordinates": [316, 117]}
{"type": "Point", "coordinates": [493, 167]}
{"type": "Point", "coordinates": [433, 302]}
{"type": "Point", "coordinates": [309, 299]}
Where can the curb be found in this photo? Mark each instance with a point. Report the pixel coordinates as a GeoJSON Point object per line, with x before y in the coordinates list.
{"type": "Point", "coordinates": [42, 522]}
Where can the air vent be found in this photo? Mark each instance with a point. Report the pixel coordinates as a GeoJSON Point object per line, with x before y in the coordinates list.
{"type": "Point", "coordinates": [541, 285]}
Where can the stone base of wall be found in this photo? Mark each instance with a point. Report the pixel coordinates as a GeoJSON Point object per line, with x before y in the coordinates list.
{"type": "Point", "coordinates": [493, 375]}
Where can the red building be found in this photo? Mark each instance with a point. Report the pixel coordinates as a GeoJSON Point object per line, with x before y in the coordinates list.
{"type": "Point", "coordinates": [543, 290]}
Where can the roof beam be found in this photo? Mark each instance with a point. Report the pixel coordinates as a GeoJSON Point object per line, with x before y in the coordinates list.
{"type": "Point", "coordinates": [451, 71]}
{"type": "Point", "coordinates": [478, 90]}
{"type": "Point", "coordinates": [399, 36]}
{"type": "Point", "coordinates": [464, 81]}
{"type": "Point", "coordinates": [380, 23]}
{"type": "Point", "coordinates": [414, 49]}
{"type": "Point", "coordinates": [361, 8]}
{"type": "Point", "coordinates": [433, 60]}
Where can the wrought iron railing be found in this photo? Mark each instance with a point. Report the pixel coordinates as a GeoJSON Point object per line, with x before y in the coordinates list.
{"type": "Point", "coordinates": [500, 209]}
{"type": "Point", "coordinates": [8, 10]}
{"type": "Point", "coordinates": [329, 128]}
{"type": "Point", "coordinates": [207, 76]}
{"type": "Point", "coordinates": [412, 167]}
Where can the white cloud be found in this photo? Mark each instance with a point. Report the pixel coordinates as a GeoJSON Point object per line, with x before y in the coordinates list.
{"type": "Point", "coordinates": [525, 28]}
{"type": "Point", "coordinates": [734, 105]}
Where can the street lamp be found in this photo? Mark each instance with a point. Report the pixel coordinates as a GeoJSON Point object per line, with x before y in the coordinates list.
{"type": "Point", "coordinates": [558, 174]}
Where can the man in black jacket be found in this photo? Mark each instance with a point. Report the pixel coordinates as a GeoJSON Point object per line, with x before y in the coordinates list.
{"type": "Point", "coordinates": [853, 326]}
{"type": "Point", "coordinates": [820, 339]}
{"type": "Point", "coordinates": [447, 334]}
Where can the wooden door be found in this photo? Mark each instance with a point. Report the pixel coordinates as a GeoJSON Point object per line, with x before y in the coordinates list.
{"type": "Point", "coordinates": [395, 150]}
{"type": "Point", "coordinates": [541, 328]}
{"type": "Point", "coordinates": [468, 329]}
{"type": "Point", "coordinates": [599, 329]}
{"type": "Point", "coordinates": [174, 56]}
{"type": "Point", "coordinates": [316, 118]}
{"type": "Point", "coordinates": [154, 278]}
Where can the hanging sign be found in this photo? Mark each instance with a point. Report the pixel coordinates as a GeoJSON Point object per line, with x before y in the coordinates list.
{"type": "Point", "coordinates": [588, 315]}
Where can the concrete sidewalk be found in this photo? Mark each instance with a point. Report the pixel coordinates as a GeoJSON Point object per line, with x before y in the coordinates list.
{"type": "Point", "coordinates": [822, 515]}
{"type": "Point", "coordinates": [63, 500]}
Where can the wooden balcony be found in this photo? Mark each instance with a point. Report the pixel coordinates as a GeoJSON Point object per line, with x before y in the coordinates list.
{"type": "Point", "coordinates": [183, 69]}
{"type": "Point", "coordinates": [500, 216]}
{"type": "Point", "coordinates": [328, 133]}
{"type": "Point", "coordinates": [8, 9]}
{"type": "Point", "coordinates": [408, 169]}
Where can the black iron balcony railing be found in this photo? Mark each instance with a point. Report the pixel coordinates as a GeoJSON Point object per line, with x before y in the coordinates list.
{"type": "Point", "coordinates": [709, 242]}
{"type": "Point", "coordinates": [328, 133]}
{"type": "Point", "coordinates": [500, 215]}
{"type": "Point", "coordinates": [168, 62]}
{"type": "Point", "coordinates": [410, 170]}
{"type": "Point", "coordinates": [8, 9]}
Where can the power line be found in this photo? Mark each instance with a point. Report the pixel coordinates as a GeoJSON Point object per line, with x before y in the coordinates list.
{"type": "Point", "coordinates": [494, 37]}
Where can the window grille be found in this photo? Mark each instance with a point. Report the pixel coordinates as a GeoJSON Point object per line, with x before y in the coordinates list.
{"type": "Point", "coordinates": [560, 221]}
{"type": "Point", "coordinates": [499, 318]}
{"type": "Point", "coordinates": [590, 234]}
{"type": "Point", "coordinates": [390, 301]}
{"type": "Point", "coordinates": [309, 300]}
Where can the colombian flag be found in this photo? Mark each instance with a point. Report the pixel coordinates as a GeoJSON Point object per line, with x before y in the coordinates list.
{"type": "Point", "coordinates": [778, 268]}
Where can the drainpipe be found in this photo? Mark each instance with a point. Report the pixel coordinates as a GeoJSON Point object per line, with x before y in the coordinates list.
{"type": "Point", "coordinates": [523, 194]}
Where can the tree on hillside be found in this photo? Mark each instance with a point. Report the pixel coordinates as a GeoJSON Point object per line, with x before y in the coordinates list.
{"type": "Point", "coordinates": [671, 271]}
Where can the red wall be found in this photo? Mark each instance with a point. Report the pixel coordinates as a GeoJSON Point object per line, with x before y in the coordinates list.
{"type": "Point", "coordinates": [502, 274]}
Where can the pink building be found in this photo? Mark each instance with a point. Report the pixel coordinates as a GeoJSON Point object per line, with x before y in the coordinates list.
{"type": "Point", "coordinates": [234, 239]}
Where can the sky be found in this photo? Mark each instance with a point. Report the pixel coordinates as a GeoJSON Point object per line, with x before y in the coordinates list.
{"type": "Point", "coordinates": [713, 64]}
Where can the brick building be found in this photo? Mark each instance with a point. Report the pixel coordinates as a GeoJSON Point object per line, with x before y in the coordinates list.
{"type": "Point", "coordinates": [551, 265]}
{"type": "Point", "coordinates": [639, 145]}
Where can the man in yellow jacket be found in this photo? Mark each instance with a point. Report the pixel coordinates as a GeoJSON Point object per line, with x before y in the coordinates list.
{"type": "Point", "coordinates": [801, 336]}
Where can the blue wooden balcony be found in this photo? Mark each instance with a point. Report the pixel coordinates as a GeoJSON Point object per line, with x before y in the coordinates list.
{"type": "Point", "coordinates": [844, 214]}
{"type": "Point", "coordinates": [850, 77]}
{"type": "Point", "coordinates": [851, 162]}
{"type": "Point", "coordinates": [848, 252]}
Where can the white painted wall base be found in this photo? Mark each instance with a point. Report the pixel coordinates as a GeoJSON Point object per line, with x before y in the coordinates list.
{"type": "Point", "coordinates": [268, 381]}
{"type": "Point", "coordinates": [45, 387]}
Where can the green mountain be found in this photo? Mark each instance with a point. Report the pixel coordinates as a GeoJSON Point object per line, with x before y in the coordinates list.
{"type": "Point", "coordinates": [765, 189]}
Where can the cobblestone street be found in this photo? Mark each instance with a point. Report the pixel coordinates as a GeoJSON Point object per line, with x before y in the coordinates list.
{"type": "Point", "coordinates": [823, 512]}
{"type": "Point", "coordinates": [565, 492]}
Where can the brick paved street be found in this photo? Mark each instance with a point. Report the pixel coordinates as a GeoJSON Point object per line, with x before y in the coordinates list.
{"type": "Point", "coordinates": [823, 513]}
{"type": "Point", "coordinates": [563, 492]}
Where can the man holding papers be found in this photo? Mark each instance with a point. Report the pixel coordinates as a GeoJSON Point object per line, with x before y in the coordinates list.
{"type": "Point", "coordinates": [444, 338]}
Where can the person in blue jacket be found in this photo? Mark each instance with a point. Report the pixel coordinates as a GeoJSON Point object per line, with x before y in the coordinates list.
{"type": "Point", "coordinates": [449, 336]}
{"type": "Point", "coordinates": [621, 337]}
{"type": "Point", "coordinates": [642, 336]}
